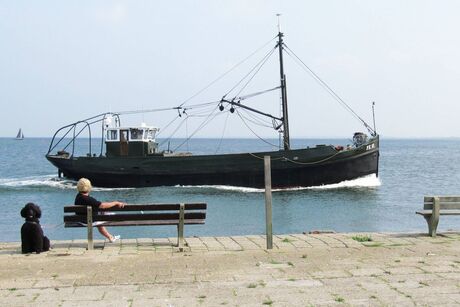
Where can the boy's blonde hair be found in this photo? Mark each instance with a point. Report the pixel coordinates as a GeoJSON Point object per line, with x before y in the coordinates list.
{"type": "Point", "coordinates": [84, 185]}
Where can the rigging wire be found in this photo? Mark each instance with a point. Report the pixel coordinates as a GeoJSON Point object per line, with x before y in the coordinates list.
{"type": "Point", "coordinates": [256, 120]}
{"type": "Point", "coordinates": [203, 113]}
{"type": "Point", "coordinates": [328, 88]}
{"type": "Point", "coordinates": [143, 111]}
{"type": "Point", "coordinates": [203, 124]}
{"type": "Point", "coordinates": [167, 126]}
{"type": "Point", "coordinates": [227, 72]}
{"type": "Point", "coordinates": [173, 133]}
{"type": "Point", "coordinates": [253, 132]}
{"type": "Point", "coordinates": [257, 93]}
{"type": "Point", "coordinates": [263, 60]}
{"type": "Point", "coordinates": [223, 133]}
{"type": "Point", "coordinates": [131, 112]}
{"type": "Point", "coordinates": [258, 69]}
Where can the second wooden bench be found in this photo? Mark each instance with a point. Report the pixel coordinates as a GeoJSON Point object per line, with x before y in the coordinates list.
{"type": "Point", "coordinates": [434, 206]}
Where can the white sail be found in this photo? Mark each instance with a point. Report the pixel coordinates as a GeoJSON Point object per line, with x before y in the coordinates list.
{"type": "Point", "coordinates": [20, 135]}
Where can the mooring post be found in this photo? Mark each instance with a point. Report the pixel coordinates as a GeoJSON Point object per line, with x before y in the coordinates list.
{"type": "Point", "coordinates": [89, 226]}
{"type": "Point", "coordinates": [268, 202]}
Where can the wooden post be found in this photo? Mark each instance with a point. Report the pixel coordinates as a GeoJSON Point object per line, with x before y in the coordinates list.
{"type": "Point", "coordinates": [89, 225]}
{"type": "Point", "coordinates": [180, 227]}
{"type": "Point", "coordinates": [268, 202]}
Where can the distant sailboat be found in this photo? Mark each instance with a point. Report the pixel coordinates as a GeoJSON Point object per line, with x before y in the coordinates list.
{"type": "Point", "coordinates": [20, 135]}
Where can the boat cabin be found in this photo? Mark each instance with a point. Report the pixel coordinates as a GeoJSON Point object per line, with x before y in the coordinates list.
{"type": "Point", "coordinates": [139, 141]}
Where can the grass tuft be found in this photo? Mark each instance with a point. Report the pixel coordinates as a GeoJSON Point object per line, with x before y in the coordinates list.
{"type": "Point", "coordinates": [268, 302]}
{"type": "Point", "coordinates": [362, 238]}
{"type": "Point", "coordinates": [339, 299]}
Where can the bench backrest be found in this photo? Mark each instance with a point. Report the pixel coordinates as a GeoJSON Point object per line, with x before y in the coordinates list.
{"type": "Point", "coordinates": [162, 212]}
{"type": "Point", "coordinates": [445, 202]}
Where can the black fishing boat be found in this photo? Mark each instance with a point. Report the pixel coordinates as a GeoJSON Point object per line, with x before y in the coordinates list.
{"type": "Point", "coordinates": [133, 158]}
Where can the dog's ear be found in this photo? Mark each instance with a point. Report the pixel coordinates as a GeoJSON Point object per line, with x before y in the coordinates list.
{"type": "Point", "coordinates": [24, 212]}
{"type": "Point", "coordinates": [38, 211]}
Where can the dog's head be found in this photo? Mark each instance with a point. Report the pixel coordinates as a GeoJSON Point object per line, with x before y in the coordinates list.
{"type": "Point", "coordinates": [31, 211]}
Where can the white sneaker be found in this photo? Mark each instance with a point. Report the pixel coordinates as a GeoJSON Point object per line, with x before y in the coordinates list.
{"type": "Point", "coordinates": [115, 238]}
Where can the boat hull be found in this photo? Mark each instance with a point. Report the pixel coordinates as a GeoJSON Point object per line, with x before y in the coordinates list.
{"type": "Point", "coordinates": [292, 168]}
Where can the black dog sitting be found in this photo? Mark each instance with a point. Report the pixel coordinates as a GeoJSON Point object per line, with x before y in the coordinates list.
{"type": "Point", "coordinates": [33, 240]}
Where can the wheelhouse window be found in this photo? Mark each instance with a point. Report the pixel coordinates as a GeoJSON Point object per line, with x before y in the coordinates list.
{"type": "Point", "coordinates": [150, 134]}
{"type": "Point", "coordinates": [136, 134]}
{"type": "Point", "coordinates": [112, 135]}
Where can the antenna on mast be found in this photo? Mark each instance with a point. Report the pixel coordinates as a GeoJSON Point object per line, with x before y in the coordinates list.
{"type": "Point", "coordinates": [279, 24]}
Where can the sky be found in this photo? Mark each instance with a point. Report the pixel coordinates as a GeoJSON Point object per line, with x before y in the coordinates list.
{"type": "Point", "coordinates": [63, 61]}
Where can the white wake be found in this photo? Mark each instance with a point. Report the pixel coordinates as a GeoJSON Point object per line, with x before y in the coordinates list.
{"type": "Point", "coordinates": [50, 181]}
{"type": "Point", "coordinates": [370, 181]}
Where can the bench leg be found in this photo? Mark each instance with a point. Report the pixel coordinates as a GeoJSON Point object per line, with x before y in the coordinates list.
{"type": "Point", "coordinates": [432, 222]}
{"type": "Point", "coordinates": [180, 228]}
{"type": "Point", "coordinates": [89, 225]}
{"type": "Point", "coordinates": [433, 219]}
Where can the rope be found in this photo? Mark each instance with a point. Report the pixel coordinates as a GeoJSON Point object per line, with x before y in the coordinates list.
{"type": "Point", "coordinates": [276, 159]}
{"type": "Point", "coordinates": [297, 162]}
{"type": "Point", "coordinates": [52, 229]}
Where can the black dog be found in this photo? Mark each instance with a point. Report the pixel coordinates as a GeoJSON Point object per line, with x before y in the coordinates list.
{"type": "Point", "coordinates": [33, 240]}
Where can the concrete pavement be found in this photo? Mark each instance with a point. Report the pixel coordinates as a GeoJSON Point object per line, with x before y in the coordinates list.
{"type": "Point", "coordinates": [302, 270]}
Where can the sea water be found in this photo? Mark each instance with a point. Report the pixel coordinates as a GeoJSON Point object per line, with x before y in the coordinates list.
{"type": "Point", "coordinates": [409, 169]}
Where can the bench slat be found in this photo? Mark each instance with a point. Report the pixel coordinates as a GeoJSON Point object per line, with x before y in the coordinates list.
{"type": "Point", "coordinates": [441, 212]}
{"type": "Point", "coordinates": [139, 223]}
{"type": "Point", "coordinates": [135, 217]}
{"type": "Point", "coordinates": [136, 207]}
{"type": "Point", "coordinates": [442, 205]}
{"type": "Point", "coordinates": [445, 202]}
{"type": "Point", "coordinates": [442, 198]}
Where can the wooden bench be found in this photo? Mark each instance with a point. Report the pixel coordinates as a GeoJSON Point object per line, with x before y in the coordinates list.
{"type": "Point", "coordinates": [434, 206]}
{"type": "Point", "coordinates": [136, 215]}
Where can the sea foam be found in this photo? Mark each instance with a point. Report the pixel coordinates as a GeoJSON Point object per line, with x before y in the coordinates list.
{"type": "Point", "coordinates": [50, 181]}
{"type": "Point", "coordinates": [370, 181]}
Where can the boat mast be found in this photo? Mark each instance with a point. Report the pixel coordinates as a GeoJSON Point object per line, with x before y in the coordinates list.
{"type": "Point", "coordinates": [286, 141]}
